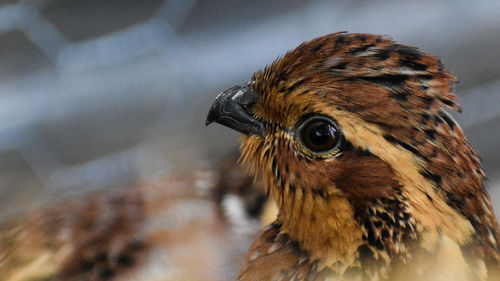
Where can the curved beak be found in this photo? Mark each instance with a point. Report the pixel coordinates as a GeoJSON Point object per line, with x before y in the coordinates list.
{"type": "Point", "coordinates": [232, 108]}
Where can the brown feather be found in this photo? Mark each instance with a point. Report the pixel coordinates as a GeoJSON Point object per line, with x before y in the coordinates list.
{"type": "Point", "coordinates": [406, 190]}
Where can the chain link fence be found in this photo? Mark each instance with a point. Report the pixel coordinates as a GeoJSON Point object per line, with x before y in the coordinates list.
{"type": "Point", "coordinates": [99, 94]}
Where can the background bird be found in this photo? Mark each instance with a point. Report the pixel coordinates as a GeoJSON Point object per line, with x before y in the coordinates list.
{"type": "Point", "coordinates": [191, 225]}
{"type": "Point", "coordinates": [373, 178]}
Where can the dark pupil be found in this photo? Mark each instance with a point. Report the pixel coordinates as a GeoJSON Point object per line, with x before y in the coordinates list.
{"type": "Point", "coordinates": [319, 135]}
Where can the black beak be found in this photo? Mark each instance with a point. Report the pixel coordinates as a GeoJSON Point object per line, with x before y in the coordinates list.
{"type": "Point", "coordinates": [232, 108]}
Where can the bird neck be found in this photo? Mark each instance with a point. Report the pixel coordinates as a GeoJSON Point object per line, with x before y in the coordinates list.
{"type": "Point", "coordinates": [324, 227]}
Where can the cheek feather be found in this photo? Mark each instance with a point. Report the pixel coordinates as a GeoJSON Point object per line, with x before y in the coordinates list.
{"type": "Point", "coordinates": [365, 178]}
{"type": "Point", "coordinates": [432, 215]}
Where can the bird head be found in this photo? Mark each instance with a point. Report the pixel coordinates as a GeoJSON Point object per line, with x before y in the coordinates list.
{"type": "Point", "coordinates": [350, 136]}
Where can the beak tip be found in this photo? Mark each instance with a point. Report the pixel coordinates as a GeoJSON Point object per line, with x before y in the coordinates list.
{"type": "Point", "coordinates": [211, 116]}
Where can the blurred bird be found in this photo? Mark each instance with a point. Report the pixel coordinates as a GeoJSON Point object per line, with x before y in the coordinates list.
{"type": "Point", "coordinates": [194, 225]}
{"type": "Point", "coordinates": [373, 179]}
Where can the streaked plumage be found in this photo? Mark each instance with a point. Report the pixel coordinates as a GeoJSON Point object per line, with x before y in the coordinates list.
{"type": "Point", "coordinates": [176, 228]}
{"type": "Point", "coordinates": [397, 193]}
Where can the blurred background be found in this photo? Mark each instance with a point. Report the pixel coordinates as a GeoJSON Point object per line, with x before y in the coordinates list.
{"type": "Point", "coordinates": [95, 95]}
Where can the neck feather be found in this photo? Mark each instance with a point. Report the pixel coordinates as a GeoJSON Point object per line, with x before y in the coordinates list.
{"type": "Point", "coordinates": [323, 226]}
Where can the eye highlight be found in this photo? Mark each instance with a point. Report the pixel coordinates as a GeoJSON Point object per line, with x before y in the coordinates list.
{"type": "Point", "coordinates": [319, 134]}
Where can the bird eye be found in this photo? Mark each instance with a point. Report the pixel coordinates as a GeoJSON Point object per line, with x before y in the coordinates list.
{"type": "Point", "coordinates": [319, 134]}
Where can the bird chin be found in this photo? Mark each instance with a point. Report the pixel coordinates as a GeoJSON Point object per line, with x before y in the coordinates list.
{"type": "Point", "coordinates": [252, 151]}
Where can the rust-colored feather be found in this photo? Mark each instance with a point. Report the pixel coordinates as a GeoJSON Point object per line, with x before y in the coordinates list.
{"type": "Point", "coordinates": [167, 230]}
{"type": "Point", "coordinates": [402, 198]}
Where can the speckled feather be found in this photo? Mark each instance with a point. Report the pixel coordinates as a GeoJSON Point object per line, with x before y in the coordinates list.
{"type": "Point", "coordinates": [404, 198]}
{"type": "Point", "coordinates": [170, 229]}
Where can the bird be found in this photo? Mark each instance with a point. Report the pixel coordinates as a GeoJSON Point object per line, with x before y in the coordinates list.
{"type": "Point", "coordinates": [184, 225]}
{"type": "Point", "coordinates": [373, 178]}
